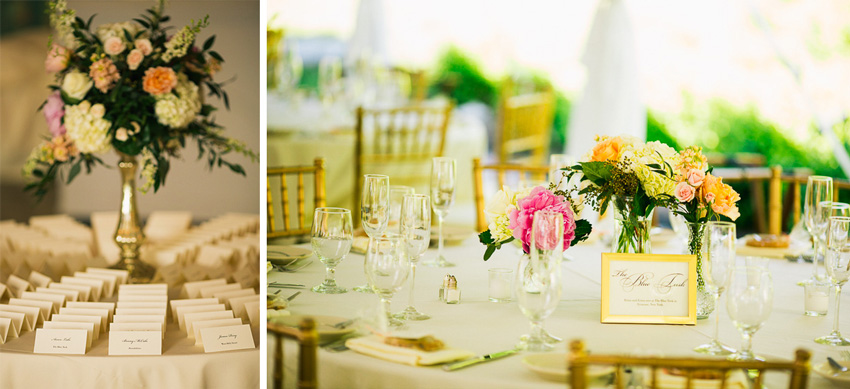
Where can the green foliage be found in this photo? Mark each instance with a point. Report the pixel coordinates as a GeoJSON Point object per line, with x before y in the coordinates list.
{"type": "Point", "coordinates": [657, 131]}
{"type": "Point", "coordinates": [459, 77]}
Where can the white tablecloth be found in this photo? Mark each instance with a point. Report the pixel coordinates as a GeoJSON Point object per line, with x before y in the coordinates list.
{"type": "Point", "coordinates": [483, 327]}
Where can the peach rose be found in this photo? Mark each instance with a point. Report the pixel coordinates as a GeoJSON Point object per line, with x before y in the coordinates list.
{"type": "Point", "coordinates": [114, 46]}
{"type": "Point", "coordinates": [684, 192]}
{"type": "Point", "coordinates": [722, 197]}
{"type": "Point", "coordinates": [57, 59]}
{"type": "Point", "coordinates": [104, 73]}
{"type": "Point", "coordinates": [607, 150]}
{"type": "Point", "coordinates": [121, 134]}
{"type": "Point", "coordinates": [144, 45]}
{"type": "Point", "coordinates": [695, 177]}
{"type": "Point", "coordinates": [159, 80]}
{"type": "Point", "coordinates": [134, 59]}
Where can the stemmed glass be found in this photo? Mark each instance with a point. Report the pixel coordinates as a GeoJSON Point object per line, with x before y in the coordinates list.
{"type": "Point", "coordinates": [719, 259]}
{"type": "Point", "coordinates": [330, 74]}
{"type": "Point", "coordinates": [556, 163]}
{"type": "Point", "coordinates": [538, 284]}
{"type": "Point", "coordinates": [387, 267]}
{"type": "Point", "coordinates": [290, 68]}
{"type": "Point", "coordinates": [443, 185]}
{"type": "Point", "coordinates": [416, 235]}
{"type": "Point", "coordinates": [837, 263]}
{"type": "Point", "coordinates": [749, 303]}
{"type": "Point", "coordinates": [397, 193]}
{"type": "Point", "coordinates": [332, 235]}
{"type": "Point", "coordinates": [374, 210]}
{"type": "Point", "coordinates": [818, 190]}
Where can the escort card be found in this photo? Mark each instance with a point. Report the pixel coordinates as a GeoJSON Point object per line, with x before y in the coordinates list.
{"type": "Point", "coordinates": [32, 314]}
{"type": "Point", "coordinates": [219, 272]}
{"type": "Point", "coordinates": [195, 273]}
{"type": "Point", "coordinates": [131, 288]}
{"type": "Point", "coordinates": [135, 342]}
{"type": "Point", "coordinates": [209, 291]}
{"type": "Point", "coordinates": [224, 297]}
{"type": "Point", "coordinates": [142, 311]}
{"type": "Point", "coordinates": [70, 295]}
{"type": "Point", "coordinates": [136, 327]}
{"type": "Point", "coordinates": [182, 311]}
{"type": "Point", "coordinates": [171, 274]}
{"type": "Point", "coordinates": [237, 304]}
{"type": "Point", "coordinates": [201, 316]}
{"type": "Point", "coordinates": [57, 300]}
{"type": "Point", "coordinates": [143, 297]}
{"type": "Point", "coordinates": [53, 341]}
{"type": "Point", "coordinates": [252, 311]}
{"type": "Point", "coordinates": [6, 330]}
{"type": "Point", "coordinates": [18, 321]}
{"type": "Point", "coordinates": [37, 279]}
{"type": "Point", "coordinates": [188, 302]}
{"type": "Point", "coordinates": [87, 304]}
{"type": "Point", "coordinates": [97, 285]}
{"type": "Point", "coordinates": [99, 312]}
{"type": "Point", "coordinates": [80, 319]}
{"type": "Point", "coordinates": [86, 292]}
{"type": "Point", "coordinates": [246, 276]}
{"type": "Point", "coordinates": [4, 292]}
{"type": "Point", "coordinates": [67, 325]}
{"type": "Point", "coordinates": [45, 307]}
{"type": "Point", "coordinates": [111, 281]}
{"type": "Point", "coordinates": [193, 289]}
{"type": "Point", "coordinates": [229, 338]}
{"type": "Point", "coordinates": [18, 285]}
{"type": "Point", "coordinates": [648, 288]}
{"type": "Point", "coordinates": [143, 304]}
{"type": "Point", "coordinates": [123, 275]}
{"type": "Point", "coordinates": [160, 319]}
{"type": "Point", "coordinates": [196, 328]}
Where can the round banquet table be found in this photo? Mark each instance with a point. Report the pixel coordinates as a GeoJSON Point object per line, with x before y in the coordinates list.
{"type": "Point", "coordinates": [485, 327]}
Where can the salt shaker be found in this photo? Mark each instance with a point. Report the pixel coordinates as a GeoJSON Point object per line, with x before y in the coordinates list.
{"type": "Point", "coordinates": [452, 292]}
{"type": "Point", "coordinates": [444, 286]}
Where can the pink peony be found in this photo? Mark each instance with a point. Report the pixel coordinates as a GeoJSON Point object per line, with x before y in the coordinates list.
{"type": "Point", "coordinates": [57, 59]}
{"type": "Point", "coordinates": [114, 46]}
{"type": "Point", "coordinates": [54, 110]}
{"type": "Point", "coordinates": [145, 46]}
{"type": "Point", "coordinates": [104, 73]}
{"type": "Point", "coordinates": [684, 192]}
{"type": "Point", "coordinates": [521, 219]}
{"type": "Point", "coordinates": [134, 59]}
{"type": "Point", "coordinates": [696, 177]}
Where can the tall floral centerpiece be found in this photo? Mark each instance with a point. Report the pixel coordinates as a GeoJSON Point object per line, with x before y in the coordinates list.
{"type": "Point", "coordinates": [133, 88]}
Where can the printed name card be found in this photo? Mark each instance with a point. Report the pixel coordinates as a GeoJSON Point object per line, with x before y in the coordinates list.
{"type": "Point", "coordinates": [86, 292]}
{"type": "Point", "coordinates": [64, 317]}
{"type": "Point", "coordinates": [252, 314]}
{"type": "Point", "coordinates": [187, 302]}
{"type": "Point", "coordinates": [137, 327]}
{"type": "Point", "coordinates": [70, 295]}
{"type": "Point", "coordinates": [96, 285]}
{"type": "Point", "coordinates": [194, 273]}
{"type": "Point", "coordinates": [144, 297]}
{"type": "Point", "coordinates": [159, 319]}
{"type": "Point", "coordinates": [60, 341]}
{"type": "Point", "coordinates": [648, 288]}
{"type": "Point", "coordinates": [190, 318]}
{"type": "Point", "coordinates": [247, 276]}
{"type": "Point", "coordinates": [210, 291]}
{"type": "Point", "coordinates": [228, 338]}
{"type": "Point", "coordinates": [88, 304]}
{"type": "Point", "coordinates": [171, 274]}
{"type": "Point", "coordinates": [224, 297]}
{"type": "Point", "coordinates": [193, 289]}
{"type": "Point", "coordinates": [237, 304]}
{"type": "Point", "coordinates": [199, 325]}
{"type": "Point", "coordinates": [143, 289]}
{"type": "Point", "coordinates": [110, 281]}
{"type": "Point", "coordinates": [57, 300]}
{"type": "Point", "coordinates": [123, 275]}
{"type": "Point", "coordinates": [103, 314]}
{"type": "Point", "coordinates": [188, 309]}
{"type": "Point", "coordinates": [66, 325]}
{"type": "Point", "coordinates": [39, 280]}
{"type": "Point", "coordinates": [18, 285]}
{"type": "Point", "coordinates": [135, 342]}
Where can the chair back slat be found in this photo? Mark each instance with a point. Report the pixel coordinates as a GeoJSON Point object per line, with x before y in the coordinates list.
{"type": "Point", "coordinates": [301, 228]}
{"type": "Point", "coordinates": [524, 129]}
{"type": "Point", "coordinates": [308, 341]}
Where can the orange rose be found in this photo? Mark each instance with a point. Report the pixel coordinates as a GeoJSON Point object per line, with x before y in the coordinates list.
{"type": "Point", "coordinates": [159, 80]}
{"type": "Point", "coordinates": [722, 197]}
{"type": "Point", "coordinates": [607, 149]}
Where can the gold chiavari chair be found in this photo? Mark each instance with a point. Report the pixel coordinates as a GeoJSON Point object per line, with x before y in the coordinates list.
{"type": "Point", "coordinates": [308, 340]}
{"type": "Point", "coordinates": [528, 174]}
{"type": "Point", "coordinates": [789, 203]}
{"type": "Point", "coordinates": [418, 82]}
{"type": "Point", "coordinates": [524, 128]}
{"type": "Point", "coordinates": [756, 177]}
{"type": "Point", "coordinates": [281, 173]}
{"type": "Point", "coordinates": [399, 142]}
{"type": "Point", "coordinates": [578, 360]}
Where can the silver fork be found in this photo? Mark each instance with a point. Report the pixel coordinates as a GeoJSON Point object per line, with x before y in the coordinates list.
{"type": "Point", "coordinates": [293, 269]}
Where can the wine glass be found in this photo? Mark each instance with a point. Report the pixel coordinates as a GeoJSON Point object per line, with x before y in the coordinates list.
{"type": "Point", "coordinates": [443, 185]}
{"type": "Point", "coordinates": [837, 261]}
{"type": "Point", "coordinates": [387, 267]}
{"type": "Point", "coordinates": [749, 303]}
{"type": "Point", "coordinates": [332, 234]}
{"type": "Point", "coordinates": [538, 284]}
{"type": "Point", "coordinates": [719, 259]}
{"type": "Point", "coordinates": [291, 68]}
{"type": "Point", "coordinates": [397, 193]}
{"type": "Point", "coordinates": [374, 210]}
{"type": "Point", "coordinates": [330, 74]}
{"type": "Point", "coordinates": [416, 235]}
{"type": "Point", "coordinates": [818, 189]}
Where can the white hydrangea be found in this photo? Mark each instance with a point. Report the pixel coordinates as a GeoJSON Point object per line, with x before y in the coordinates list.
{"type": "Point", "coordinates": [86, 126]}
{"type": "Point", "coordinates": [177, 111]}
{"type": "Point", "coordinates": [109, 30]}
{"type": "Point", "coordinates": [499, 229]}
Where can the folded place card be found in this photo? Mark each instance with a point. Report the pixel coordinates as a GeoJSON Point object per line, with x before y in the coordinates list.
{"type": "Point", "coordinates": [18, 321]}
{"type": "Point", "coordinates": [187, 302]}
{"type": "Point", "coordinates": [224, 297]}
{"type": "Point", "coordinates": [141, 311]}
{"type": "Point", "coordinates": [45, 308]}
{"type": "Point", "coordinates": [67, 325]}
{"type": "Point", "coordinates": [32, 315]}
{"type": "Point", "coordinates": [70, 295]}
{"type": "Point", "coordinates": [237, 304]}
{"type": "Point", "coordinates": [18, 285]}
{"type": "Point", "coordinates": [86, 292]}
{"type": "Point", "coordinates": [193, 289]}
{"type": "Point", "coordinates": [58, 300]}
{"type": "Point", "coordinates": [6, 330]}
{"type": "Point", "coordinates": [195, 273]}
{"type": "Point", "coordinates": [137, 327]}
{"type": "Point", "coordinates": [196, 328]}
{"type": "Point", "coordinates": [98, 285]}
{"type": "Point", "coordinates": [123, 275]}
{"type": "Point", "coordinates": [142, 304]}
{"type": "Point", "coordinates": [88, 304]}
{"type": "Point", "coordinates": [215, 256]}
{"type": "Point", "coordinates": [187, 309]}
{"type": "Point", "coordinates": [135, 342]}
{"type": "Point", "coordinates": [219, 272]}
{"type": "Point", "coordinates": [39, 280]}
{"type": "Point", "coordinates": [99, 312]}
{"type": "Point", "coordinates": [171, 274]}
{"type": "Point", "coordinates": [190, 318]}
{"type": "Point", "coordinates": [60, 341]}
{"type": "Point", "coordinates": [252, 311]}
{"type": "Point", "coordinates": [227, 338]}
{"type": "Point", "coordinates": [5, 293]}
{"type": "Point", "coordinates": [160, 319]}
{"type": "Point", "coordinates": [143, 297]}
{"type": "Point", "coordinates": [80, 319]}
{"type": "Point", "coordinates": [210, 291]}
{"type": "Point", "coordinates": [159, 288]}
{"type": "Point", "coordinates": [246, 276]}
{"type": "Point", "coordinates": [111, 281]}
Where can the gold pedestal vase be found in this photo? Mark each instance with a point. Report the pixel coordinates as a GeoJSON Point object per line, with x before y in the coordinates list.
{"type": "Point", "coordinates": [128, 235]}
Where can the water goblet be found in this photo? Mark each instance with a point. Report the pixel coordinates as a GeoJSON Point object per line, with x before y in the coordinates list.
{"type": "Point", "coordinates": [818, 190]}
{"type": "Point", "coordinates": [332, 234]}
{"type": "Point", "coordinates": [374, 210]}
{"type": "Point", "coordinates": [387, 267]}
{"type": "Point", "coordinates": [749, 303]}
{"type": "Point", "coordinates": [837, 263]}
{"type": "Point", "coordinates": [443, 185]}
{"type": "Point", "coordinates": [718, 261]}
{"type": "Point", "coordinates": [415, 235]}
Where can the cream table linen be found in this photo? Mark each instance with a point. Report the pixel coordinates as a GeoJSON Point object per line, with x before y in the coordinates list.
{"type": "Point", "coordinates": [484, 327]}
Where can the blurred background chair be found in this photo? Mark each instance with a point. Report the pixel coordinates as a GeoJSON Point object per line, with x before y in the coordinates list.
{"type": "Point", "coordinates": [516, 176]}
{"type": "Point", "coordinates": [787, 193]}
{"type": "Point", "coordinates": [278, 197]}
{"type": "Point", "coordinates": [308, 340]}
{"type": "Point", "coordinates": [524, 123]}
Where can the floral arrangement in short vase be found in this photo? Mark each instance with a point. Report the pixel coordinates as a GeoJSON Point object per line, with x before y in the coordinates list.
{"type": "Point", "coordinates": [129, 87]}
{"type": "Point", "coordinates": [511, 215]}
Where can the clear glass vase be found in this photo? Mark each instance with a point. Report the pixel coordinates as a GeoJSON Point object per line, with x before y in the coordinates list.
{"type": "Point", "coordinates": [696, 246]}
{"type": "Point", "coordinates": [631, 232]}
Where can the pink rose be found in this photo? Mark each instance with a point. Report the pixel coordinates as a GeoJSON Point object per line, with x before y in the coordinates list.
{"type": "Point", "coordinates": [145, 46]}
{"type": "Point", "coordinates": [114, 46]}
{"type": "Point", "coordinates": [54, 110]}
{"type": "Point", "coordinates": [57, 59]}
{"type": "Point", "coordinates": [684, 192]}
{"type": "Point", "coordinates": [709, 197]}
{"type": "Point", "coordinates": [134, 59]}
{"type": "Point", "coordinates": [696, 177]}
{"type": "Point", "coordinates": [522, 217]}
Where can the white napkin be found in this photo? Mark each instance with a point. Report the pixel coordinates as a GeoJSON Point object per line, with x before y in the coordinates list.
{"type": "Point", "coordinates": [374, 346]}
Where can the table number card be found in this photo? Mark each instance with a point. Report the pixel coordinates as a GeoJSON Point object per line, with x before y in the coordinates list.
{"type": "Point", "coordinates": [135, 342]}
{"type": "Point", "coordinates": [648, 289]}
{"type": "Point", "coordinates": [229, 338]}
{"type": "Point", "coordinates": [60, 341]}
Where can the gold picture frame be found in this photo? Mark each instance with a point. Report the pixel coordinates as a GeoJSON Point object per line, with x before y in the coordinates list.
{"type": "Point", "coordinates": [645, 279]}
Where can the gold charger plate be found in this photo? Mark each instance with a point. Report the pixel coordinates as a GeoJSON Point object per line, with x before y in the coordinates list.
{"type": "Point", "coordinates": [553, 367]}
{"type": "Point", "coordinates": [826, 371]}
{"type": "Point", "coordinates": [323, 325]}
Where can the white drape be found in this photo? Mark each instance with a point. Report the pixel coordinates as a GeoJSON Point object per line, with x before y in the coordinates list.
{"type": "Point", "coordinates": [369, 38]}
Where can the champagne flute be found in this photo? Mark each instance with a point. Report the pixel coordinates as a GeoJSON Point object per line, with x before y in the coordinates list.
{"type": "Point", "coordinates": [387, 267]}
{"type": "Point", "coordinates": [719, 259]}
{"type": "Point", "coordinates": [291, 68]}
{"type": "Point", "coordinates": [397, 193]}
{"type": "Point", "coordinates": [443, 185]}
{"type": "Point", "coordinates": [538, 284]}
{"type": "Point", "coordinates": [818, 189]}
{"type": "Point", "coordinates": [332, 234]}
{"type": "Point", "coordinates": [749, 303]}
{"type": "Point", "coordinates": [416, 235]}
{"type": "Point", "coordinates": [330, 74]}
{"type": "Point", "coordinates": [837, 263]}
{"type": "Point", "coordinates": [374, 210]}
